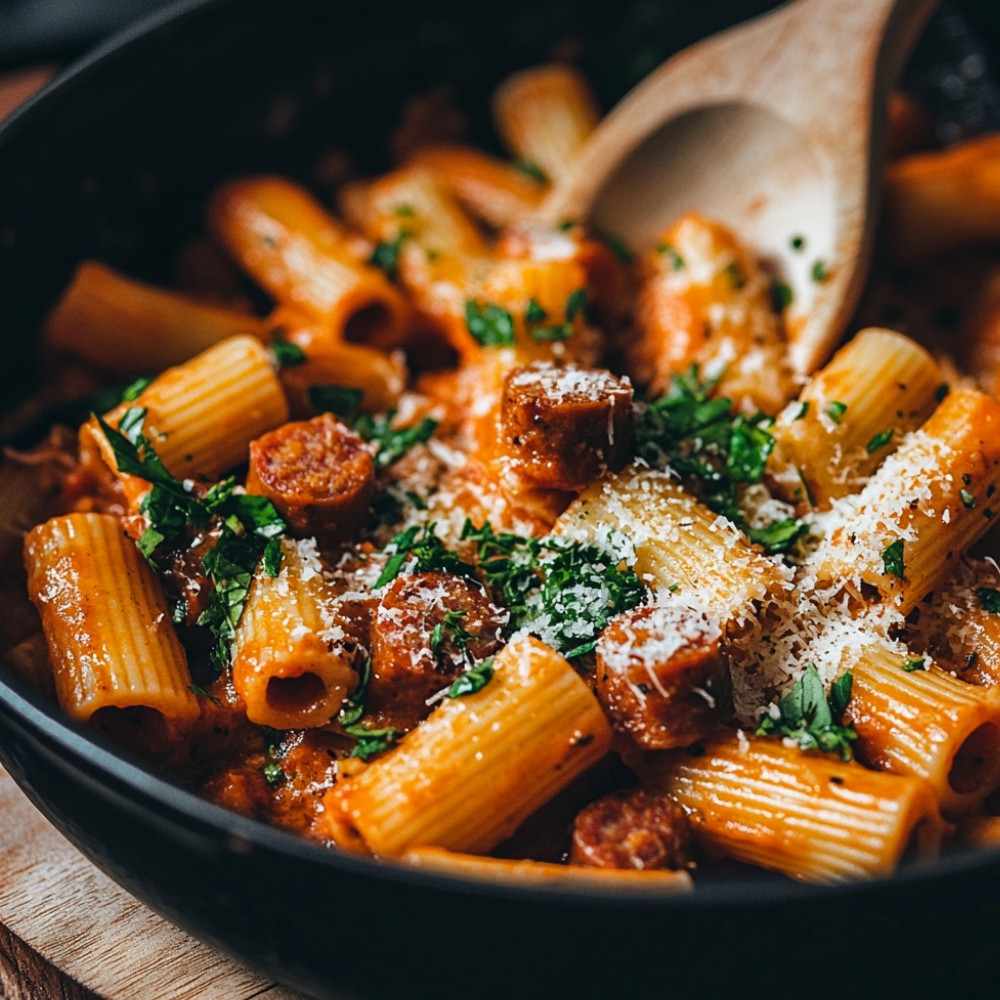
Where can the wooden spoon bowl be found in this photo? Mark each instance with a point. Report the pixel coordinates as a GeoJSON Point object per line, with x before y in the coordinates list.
{"type": "Point", "coordinates": [775, 128]}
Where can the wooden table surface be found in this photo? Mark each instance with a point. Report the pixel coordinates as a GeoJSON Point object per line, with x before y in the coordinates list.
{"type": "Point", "coordinates": [68, 932]}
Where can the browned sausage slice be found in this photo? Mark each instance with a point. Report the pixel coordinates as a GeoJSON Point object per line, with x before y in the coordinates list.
{"type": "Point", "coordinates": [318, 473]}
{"type": "Point", "coordinates": [632, 830]}
{"type": "Point", "coordinates": [661, 676]}
{"type": "Point", "coordinates": [428, 628]}
{"type": "Point", "coordinates": [562, 426]}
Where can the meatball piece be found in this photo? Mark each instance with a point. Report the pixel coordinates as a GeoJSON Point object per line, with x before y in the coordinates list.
{"type": "Point", "coordinates": [632, 830]}
{"type": "Point", "coordinates": [661, 677]}
{"type": "Point", "coordinates": [318, 473]}
{"type": "Point", "coordinates": [427, 629]}
{"type": "Point", "coordinates": [563, 426]}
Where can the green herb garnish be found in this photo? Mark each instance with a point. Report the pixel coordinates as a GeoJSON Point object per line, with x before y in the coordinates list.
{"type": "Point", "coordinates": [490, 325]}
{"type": "Point", "coordinates": [562, 591]}
{"type": "Point", "coordinates": [716, 452]}
{"type": "Point", "coordinates": [806, 716]}
{"type": "Point", "coordinates": [532, 170]}
{"type": "Point", "coordinates": [915, 663]}
{"type": "Point", "coordinates": [370, 742]}
{"type": "Point", "coordinates": [879, 440]}
{"type": "Point", "coordinates": [340, 400]}
{"type": "Point", "coordinates": [781, 296]}
{"type": "Point", "coordinates": [836, 410]}
{"type": "Point", "coordinates": [676, 260]}
{"type": "Point", "coordinates": [472, 680]}
{"type": "Point", "coordinates": [248, 528]}
{"type": "Point", "coordinates": [892, 559]}
{"type": "Point", "coordinates": [419, 549]}
{"type": "Point", "coordinates": [392, 443]}
{"type": "Point", "coordinates": [286, 354]}
{"type": "Point", "coordinates": [989, 599]}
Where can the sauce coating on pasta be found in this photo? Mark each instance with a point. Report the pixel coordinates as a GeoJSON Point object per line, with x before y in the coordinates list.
{"type": "Point", "coordinates": [503, 549]}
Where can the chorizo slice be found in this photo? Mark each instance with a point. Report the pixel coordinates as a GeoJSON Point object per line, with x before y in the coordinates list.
{"type": "Point", "coordinates": [318, 473]}
{"type": "Point", "coordinates": [632, 830]}
{"type": "Point", "coordinates": [661, 676]}
{"type": "Point", "coordinates": [562, 426]}
{"type": "Point", "coordinates": [428, 628]}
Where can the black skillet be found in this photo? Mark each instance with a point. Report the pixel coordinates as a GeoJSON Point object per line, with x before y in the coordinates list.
{"type": "Point", "coordinates": [115, 162]}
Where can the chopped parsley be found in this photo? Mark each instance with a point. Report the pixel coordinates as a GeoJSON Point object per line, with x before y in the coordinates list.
{"type": "Point", "coordinates": [797, 243]}
{"type": "Point", "coordinates": [340, 400]}
{"type": "Point", "coordinates": [532, 170]}
{"type": "Point", "coordinates": [385, 256]}
{"type": "Point", "coordinates": [490, 325]}
{"type": "Point", "coordinates": [562, 591]}
{"type": "Point", "coordinates": [392, 443]}
{"type": "Point", "coordinates": [912, 664]}
{"type": "Point", "coordinates": [472, 680]}
{"type": "Point", "coordinates": [676, 260]}
{"type": "Point", "coordinates": [803, 410]}
{"type": "Point", "coordinates": [419, 549]}
{"type": "Point", "coordinates": [535, 313]}
{"type": "Point", "coordinates": [989, 599]}
{"type": "Point", "coordinates": [248, 528]}
{"type": "Point", "coordinates": [618, 248]}
{"type": "Point", "coordinates": [698, 436]}
{"type": "Point", "coordinates": [968, 499]}
{"type": "Point", "coordinates": [133, 390]}
{"type": "Point", "coordinates": [370, 742]}
{"type": "Point", "coordinates": [806, 716]}
{"type": "Point", "coordinates": [781, 296]}
{"type": "Point", "coordinates": [450, 629]}
{"type": "Point", "coordinates": [836, 410]}
{"type": "Point", "coordinates": [892, 559]}
{"type": "Point", "coordinates": [879, 440]}
{"type": "Point", "coordinates": [286, 354]}
{"type": "Point", "coordinates": [820, 272]}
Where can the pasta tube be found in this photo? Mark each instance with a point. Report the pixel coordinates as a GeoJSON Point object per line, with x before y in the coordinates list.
{"type": "Point", "coordinates": [943, 199]}
{"type": "Point", "coordinates": [704, 299]}
{"type": "Point", "coordinates": [129, 328]}
{"type": "Point", "coordinates": [927, 723]}
{"type": "Point", "coordinates": [542, 874]}
{"type": "Point", "coordinates": [472, 772]}
{"type": "Point", "coordinates": [304, 258]}
{"type": "Point", "coordinates": [544, 115]}
{"type": "Point", "coordinates": [112, 646]}
{"type": "Point", "coordinates": [496, 192]}
{"type": "Point", "coordinates": [289, 663]}
{"type": "Point", "coordinates": [928, 502]}
{"type": "Point", "coordinates": [808, 815]}
{"type": "Point", "coordinates": [850, 415]}
{"type": "Point", "coordinates": [201, 416]}
{"type": "Point", "coordinates": [681, 548]}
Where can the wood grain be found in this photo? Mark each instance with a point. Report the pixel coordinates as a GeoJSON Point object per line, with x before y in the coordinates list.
{"type": "Point", "coordinates": [68, 932]}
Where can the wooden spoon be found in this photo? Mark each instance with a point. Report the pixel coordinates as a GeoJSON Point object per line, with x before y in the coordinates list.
{"type": "Point", "coordinates": [775, 128]}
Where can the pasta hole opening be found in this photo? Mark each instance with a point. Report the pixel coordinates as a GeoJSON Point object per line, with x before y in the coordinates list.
{"type": "Point", "coordinates": [365, 324]}
{"type": "Point", "coordinates": [976, 765]}
{"type": "Point", "coordinates": [295, 694]}
{"type": "Point", "coordinates": [137, 728]}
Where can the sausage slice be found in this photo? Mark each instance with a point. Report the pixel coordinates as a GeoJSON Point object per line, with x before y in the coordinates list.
{"type": "Point", "coordinates": [632, 830]}
{"type": "Point", "coordinates": [660, 675]}
{"type": "Point", "coordinates": [428, 628]}
{"type": "Point", "coordinates": [318, 473]}
{"type": "Point", "coordinates": [562, 426]}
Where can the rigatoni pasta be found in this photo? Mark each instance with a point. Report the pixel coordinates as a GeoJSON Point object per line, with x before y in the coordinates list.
{"type": "Point", "coordinates": [500, 549]}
